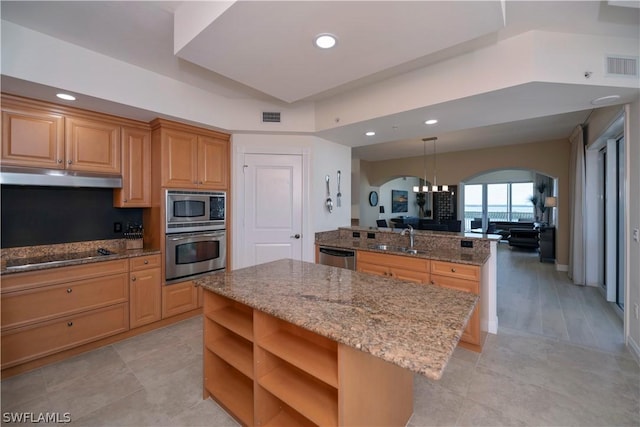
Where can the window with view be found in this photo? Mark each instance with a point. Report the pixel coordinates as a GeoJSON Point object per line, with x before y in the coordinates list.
{"type": "Point", "coordinates": [500, 202]}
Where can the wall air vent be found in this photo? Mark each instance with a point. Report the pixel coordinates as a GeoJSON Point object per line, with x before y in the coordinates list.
{"type": "Point", "coordinates": [270, 117]}
{"type": "Point", "coordinates": [622, 66]}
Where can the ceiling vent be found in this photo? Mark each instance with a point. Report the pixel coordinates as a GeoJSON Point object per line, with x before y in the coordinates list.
{"type": "Point", "coordinates": [270, 117]}
{"type": "Point", "coordinates": [622, 66]}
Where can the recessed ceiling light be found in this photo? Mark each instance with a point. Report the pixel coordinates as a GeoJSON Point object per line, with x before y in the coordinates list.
{"type": "Point", "coordinates": [66, 96]}
{"type": "Point", "coordinates": [431, 122]}
{"type": "Point", "coordinates": [370, 133]}
{"type": "Point", "coordinates": [605, 100]}
{"type": "Point", "coordinates": [325, 41]}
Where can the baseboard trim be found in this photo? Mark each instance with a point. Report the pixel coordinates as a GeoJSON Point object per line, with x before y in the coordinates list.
{"type": "Point", "coordinates": [490, 326]}
{"type": "Point", "coordinates": [634, 348]}
{"type": "Point", "coordinates": [562, 267]}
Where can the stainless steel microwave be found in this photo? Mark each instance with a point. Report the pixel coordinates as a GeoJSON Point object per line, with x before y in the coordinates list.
{"type": "Point", "coordinates": [195, 210]}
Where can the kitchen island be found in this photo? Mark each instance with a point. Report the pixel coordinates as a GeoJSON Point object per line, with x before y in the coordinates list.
{"type": "Point", "coordinates": [291, 341]}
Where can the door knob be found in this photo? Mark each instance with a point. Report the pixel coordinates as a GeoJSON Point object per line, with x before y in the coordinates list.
{"type": "Point", "coordinates": [295, 236]}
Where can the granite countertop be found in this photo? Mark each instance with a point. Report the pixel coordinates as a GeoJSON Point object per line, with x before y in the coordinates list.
{"type": "Point", "coordinates": [56, 260]}
{"type": "Point", "coordinates": [442, 254]}
{"type": "Point", "coordinates": [414, 326]}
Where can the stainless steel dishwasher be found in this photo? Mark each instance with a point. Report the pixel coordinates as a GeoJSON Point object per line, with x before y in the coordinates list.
{"type": "Point", "coordinates": [338, 257]}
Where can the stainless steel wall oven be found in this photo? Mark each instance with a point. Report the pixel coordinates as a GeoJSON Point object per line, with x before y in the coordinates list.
{"type": "Point", "coordinates": [196, 240]}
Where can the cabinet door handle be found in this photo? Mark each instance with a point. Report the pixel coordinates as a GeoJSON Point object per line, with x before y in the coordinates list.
{"type": "Point", "coordinates": [146, 261]}
{"type": "Point", "coordinates": [69, 324]}
{"type": "Point", "coordinates": [69, 290]}
{"type": "Point", "coordinates": [453, 270]}
{"type": "Point", "coordinates": [69, 162]}
{"type": "Point", "coordinates": [433, 282]}
{"type": "Point", "coordinates": [59, 161]}
{"type": "Point", "coordinates": [133, 279]}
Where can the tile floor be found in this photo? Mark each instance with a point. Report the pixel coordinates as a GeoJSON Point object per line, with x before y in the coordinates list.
{"type": "Point", "coordinates": [558, 360]}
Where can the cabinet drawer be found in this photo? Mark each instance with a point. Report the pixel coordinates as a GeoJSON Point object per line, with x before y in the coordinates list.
{"type": "Point", "coordinates": [461, 271]}
{"type": "Point", "coordinates": [31, 342]}
{"type": "Point", "coordinates": [19, 308]}
{"type": "Point", "coordinates": [399, 261]}
{"type": "Point", "coordinates": [455, 283]}
{"type": "Point", "coordinates": [54, 276]}
{"type": "Point", "coordinates": [144, 262]}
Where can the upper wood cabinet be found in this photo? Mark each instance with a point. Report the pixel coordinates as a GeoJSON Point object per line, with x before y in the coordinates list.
{"type": "Point", "coordinates": [92, 145]}
{"type": "Point", "coordinates": [192, 157]}
{"type": "Point", "coordinates": [136, 169]}
{"type": "Point", "coordinates": [32, 137]}
{"type": "Point", "coordinates": [38, 134]}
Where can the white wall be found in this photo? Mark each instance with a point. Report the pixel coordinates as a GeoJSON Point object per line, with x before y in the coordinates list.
{"type": "Point", "coordinates": [320, 157]}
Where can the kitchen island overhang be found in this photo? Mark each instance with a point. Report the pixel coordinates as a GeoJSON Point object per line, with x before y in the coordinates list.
{"type": "Point", "coordinates": [411, 326]}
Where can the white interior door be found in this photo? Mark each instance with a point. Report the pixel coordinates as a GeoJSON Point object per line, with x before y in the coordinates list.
{"type": "Point", "coordinates": [273, 208]}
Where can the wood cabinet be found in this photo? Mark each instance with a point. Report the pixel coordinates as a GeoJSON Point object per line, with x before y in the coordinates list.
{"type": "Point", "coordinates": [38, 134]}
{"type": "Point", "coordinates": [92, 145]}
{"type": "Point", "coordinates": [191, 157]}
{"type": "Point", "coordinates": [136, 169]}
{"type": "Point", "coordinates": [145, 290]}
{"type": "Point", "coordinates": [396, 266]}
{"type": "Point", "coordinates": [547, 244]}
{"type": "Point", "coordinates": [47, 311]}
{"type": "Point", "coordinates": [179, 298]}
{"type": "Point", "coordinates": [265, 371]}
{"type": "Point", "coordinates": [32, 137]}
{"type": "Point", "coordinates": [462, 277]}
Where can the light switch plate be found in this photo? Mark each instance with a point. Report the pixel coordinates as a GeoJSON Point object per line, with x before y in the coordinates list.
{"type": "Point", "coordinates": [635, 234]}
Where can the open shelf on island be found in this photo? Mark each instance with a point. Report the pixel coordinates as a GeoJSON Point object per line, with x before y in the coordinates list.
{"type": "Point", "coordinates": [273, 412]}
{"type": "Point", "coordinates": [236, 317]}
{"type": "Point", "coordinates": [234, 350]}
{"type": "Point", "coordinates": [309, 396]}
{"type": "Point", "coordinates": [229, 387]}
{"type": "Point", "coordinates": [310, 357]}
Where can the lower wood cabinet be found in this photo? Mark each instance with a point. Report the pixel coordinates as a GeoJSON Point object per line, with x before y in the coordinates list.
{"type": "Point", "coordinates": [48, 311]}
{"type": "Point", "coordinates": [399, 267]}
{"type": "Point", "coordinates": [145, 290]}
{"type": "Point", "coordinates": [462, 277]}
{"type": "Point", "coordinates": [43, 338]}
{"type": "Point", "coordinates": [179, 298]}
{"type": "Point", "coordinates": [268, 372]}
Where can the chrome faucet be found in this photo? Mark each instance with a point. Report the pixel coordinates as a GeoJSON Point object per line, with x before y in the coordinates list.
{"type": "Point", "coordinates": [411, 234]}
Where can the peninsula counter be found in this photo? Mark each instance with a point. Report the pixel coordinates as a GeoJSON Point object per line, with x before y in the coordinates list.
{"type": "Point", "coordinates": [296, 341]}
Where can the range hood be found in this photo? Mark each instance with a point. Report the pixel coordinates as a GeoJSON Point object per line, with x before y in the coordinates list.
{"type": "Point", "coordinates": [14, 175]}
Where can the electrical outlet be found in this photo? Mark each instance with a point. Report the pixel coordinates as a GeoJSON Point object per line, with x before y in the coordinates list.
{"type": "Point", "coordinates": [466, 243]}
{"type": "Point", "coordinates": [371, 235]}
{"type": "Point", "coordinates": [356, 234]}
{"type": "Point", "coordinates": [636, 234]}
{"type": "Point", "coordinates": [117, 227]}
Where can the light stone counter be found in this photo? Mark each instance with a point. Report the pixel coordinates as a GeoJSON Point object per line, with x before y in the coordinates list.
{"type": "Point", "coordinates": [414, 326]}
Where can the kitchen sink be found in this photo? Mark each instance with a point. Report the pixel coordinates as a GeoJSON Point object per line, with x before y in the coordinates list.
{"type": "Point", "coordinates": [411, 251]}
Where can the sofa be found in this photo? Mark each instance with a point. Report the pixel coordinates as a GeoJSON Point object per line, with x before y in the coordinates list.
{"type": "Point", "coordinates": [504, 228]}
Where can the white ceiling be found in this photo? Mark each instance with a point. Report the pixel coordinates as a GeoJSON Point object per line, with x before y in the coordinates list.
{"type": "Point", "coordinates": [263, 50]}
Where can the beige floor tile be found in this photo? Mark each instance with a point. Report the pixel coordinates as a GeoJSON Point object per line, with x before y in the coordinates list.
{"type": "Point", "coordinates": [23, 388]}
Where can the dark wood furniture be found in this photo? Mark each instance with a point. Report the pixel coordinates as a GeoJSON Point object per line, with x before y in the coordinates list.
{"type": "Point", "coordinates": [547, 244]}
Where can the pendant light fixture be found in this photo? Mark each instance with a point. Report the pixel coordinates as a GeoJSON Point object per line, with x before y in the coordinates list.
{"type": "Point", "coordinates": [434, 186]}
{"type": "Point", "coordinates": [424, 189]}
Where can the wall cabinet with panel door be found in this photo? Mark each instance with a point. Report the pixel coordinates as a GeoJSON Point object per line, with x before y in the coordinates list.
{"type": "Point", "coordinates": [396, 266]}
{"type": "Point", "coordinates": [179, 298]}
{"type": "Point", "coordinates": [31, 136]}
{"type": "Point", "coordinates": [92, 145]}
{"type": "Point", "coordinates": [145, 290]}
{"type": "Point", "coordinates": [191, 157]}
{"type": "Point", "coordinates": [44, 135]}
{"type": "Point", "coordinates": [462, 277]}
{"type": "Point", "coordinates": [136, 169]}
